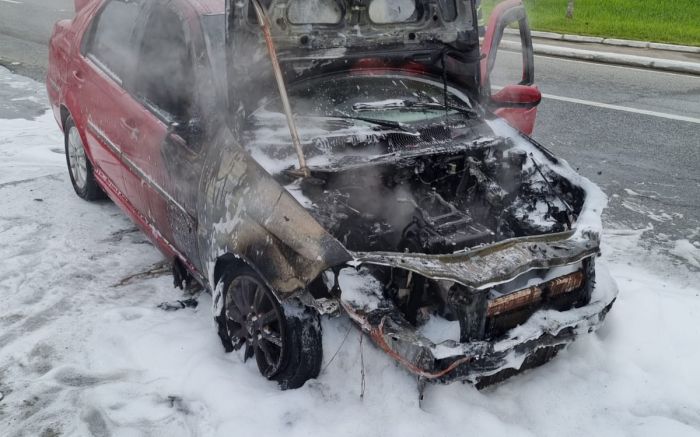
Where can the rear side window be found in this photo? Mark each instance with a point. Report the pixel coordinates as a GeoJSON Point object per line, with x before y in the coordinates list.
{"type": "Point", "coordinates": [112, 43]}
{"type": "Point", "coordinates": [165, 73]}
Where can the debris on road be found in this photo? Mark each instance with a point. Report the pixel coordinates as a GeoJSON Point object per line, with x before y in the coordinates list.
{"type": "Point", "coordinates": [178, 304]}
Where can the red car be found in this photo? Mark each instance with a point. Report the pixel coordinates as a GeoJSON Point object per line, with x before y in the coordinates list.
{"type": "Point", "coordinates": [307, 157]}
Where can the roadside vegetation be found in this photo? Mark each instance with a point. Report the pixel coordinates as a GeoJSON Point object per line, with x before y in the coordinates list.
{"type": "Point", "coordinates": [676, 21]}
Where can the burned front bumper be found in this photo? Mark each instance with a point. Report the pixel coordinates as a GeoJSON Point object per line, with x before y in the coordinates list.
{"type": "Point", "coordinates": [485, 362]}
{"type": "Point", "coordinates": [488, 360]}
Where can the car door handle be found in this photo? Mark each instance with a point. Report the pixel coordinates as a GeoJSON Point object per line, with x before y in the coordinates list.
{"type": "Point", "coordinates": [78, 76]}
{"type": "Point", "coordinates": [130, 125]}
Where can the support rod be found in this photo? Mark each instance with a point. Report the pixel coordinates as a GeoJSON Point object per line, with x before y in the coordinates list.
{"type": "Point", "coordinates": [264, 22]}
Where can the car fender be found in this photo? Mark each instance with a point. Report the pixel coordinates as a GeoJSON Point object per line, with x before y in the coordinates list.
{"type": "Point", "coordinates": [243, 211]}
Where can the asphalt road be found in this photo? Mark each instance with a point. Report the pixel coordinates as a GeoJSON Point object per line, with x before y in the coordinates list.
{"type": "Point", "coordinates": [25, 28]}
{"type": "Point", "coordinates": [635, 132]}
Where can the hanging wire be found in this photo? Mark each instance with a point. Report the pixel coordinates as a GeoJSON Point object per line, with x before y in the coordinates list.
{"type": "Point", "coordinates": [362, 367]}
{"type": "Point", "coordinates": [336, 352]}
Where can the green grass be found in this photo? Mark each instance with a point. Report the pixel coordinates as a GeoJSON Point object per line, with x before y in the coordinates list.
{"type": "Point", "coordinates": [670, 21]}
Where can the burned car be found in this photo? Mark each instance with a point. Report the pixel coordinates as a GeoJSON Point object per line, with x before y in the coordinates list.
{"type": "Point", "coordinates": [301, 158]}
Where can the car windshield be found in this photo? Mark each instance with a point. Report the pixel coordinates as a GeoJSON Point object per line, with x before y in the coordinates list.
{"type": "Point", "coordinates": [392, 98]}
{"type": "Point", "coordinates": [353, 114]}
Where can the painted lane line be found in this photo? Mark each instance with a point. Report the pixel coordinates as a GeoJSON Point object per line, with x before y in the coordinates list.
{"type": "Point", "coordinates": [14, 2]}
{"type": "Point", "coordinates": [623, 108]}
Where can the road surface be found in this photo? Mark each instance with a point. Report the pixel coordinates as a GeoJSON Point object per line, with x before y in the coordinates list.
{"type": "Point", "coordinates": [635, 132]}
{"type": "Point", "coordinates": [25, 28]}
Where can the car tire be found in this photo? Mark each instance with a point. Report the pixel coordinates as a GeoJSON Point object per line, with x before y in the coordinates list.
{"type": "Point", "coordinates": [248, 303]}
{"type": "Point", "coordinates": [80, 169]}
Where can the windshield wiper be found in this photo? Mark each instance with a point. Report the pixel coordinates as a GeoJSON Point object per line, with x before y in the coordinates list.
{"type": "Point", "coordinates": [408, 104]}
{"type": "Point", "coordinates": [384, 123]}
{"type": "Point", "coordinates": [465, 111]}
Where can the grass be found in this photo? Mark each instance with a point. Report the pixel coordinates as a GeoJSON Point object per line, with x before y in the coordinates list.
{"type": "Point", "coordinates": [669, 21]}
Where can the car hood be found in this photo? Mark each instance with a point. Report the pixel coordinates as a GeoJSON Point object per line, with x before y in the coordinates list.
{"type": "Point", "coordinates": [489, 265]}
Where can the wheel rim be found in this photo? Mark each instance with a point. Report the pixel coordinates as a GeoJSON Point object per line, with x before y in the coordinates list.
{"type": "Point", "coordinates": [76, 158]}
{"type": "Point", "coordinates": [255, 319]}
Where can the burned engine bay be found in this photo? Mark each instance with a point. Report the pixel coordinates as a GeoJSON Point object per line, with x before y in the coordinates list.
{"type": "Point", "coordinates": [428, 193]}
{"type": "Point", "coordinates": [438, 199]}
{"type": "Point", "coordinates": [459, 234]}
{"type": "Point", "coordinates": [401, 164]}
{"type": "Point", "coordinates": [446, 189]}
{"type": "Point", "coordinates": [460, 230]}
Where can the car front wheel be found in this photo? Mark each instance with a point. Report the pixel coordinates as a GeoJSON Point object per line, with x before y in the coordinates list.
{"type": "Point", "coordinates": [79, 167]}
{"type": "Point", "coordinates": [286, 344]}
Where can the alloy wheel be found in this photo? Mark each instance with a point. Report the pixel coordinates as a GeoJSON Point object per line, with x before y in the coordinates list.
{"type": "Point", "coordinates": [255, 319]}
{"type": "Point", "coordinates": [76, 158]}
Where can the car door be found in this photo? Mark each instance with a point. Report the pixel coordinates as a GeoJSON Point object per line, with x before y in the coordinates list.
{"type": "Point", "coordinates": [507, 66]}
{"type": "Point", "coordinates": [107, 54]}
{"type": "Point", "coordinates": [163, 151]}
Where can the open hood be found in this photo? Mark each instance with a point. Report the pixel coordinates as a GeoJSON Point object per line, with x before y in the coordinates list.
{"type": "Point", "coordinates": [315, 25]}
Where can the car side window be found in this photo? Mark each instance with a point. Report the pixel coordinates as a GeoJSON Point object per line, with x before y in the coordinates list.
{"type": "Point", "coordinates": [111, 43]}
{"type": "Point", "coordinates": [165, 73]}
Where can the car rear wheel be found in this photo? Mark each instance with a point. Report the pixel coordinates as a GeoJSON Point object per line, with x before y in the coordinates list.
{"type": "Point", "coordinates": [286, 344]}
{"type": "Point", "coordinates": [79, 166]}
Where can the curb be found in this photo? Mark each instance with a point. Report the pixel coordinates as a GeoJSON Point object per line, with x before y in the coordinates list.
{"type": "Point", "coordinates": [612, 41]}
{"type": "Point", "coordinates": [610, 58]}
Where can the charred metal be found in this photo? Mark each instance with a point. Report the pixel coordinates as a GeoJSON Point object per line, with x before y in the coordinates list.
{"type": "Point", "coordinates": [402, 225]}
{"type": "Point", "coordinates": [436, 199]}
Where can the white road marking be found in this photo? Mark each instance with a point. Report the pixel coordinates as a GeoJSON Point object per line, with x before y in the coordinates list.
{"type": "Point", "coordinates": [623, 108]}
{"type": "Point", "coordinates": [11, 1]}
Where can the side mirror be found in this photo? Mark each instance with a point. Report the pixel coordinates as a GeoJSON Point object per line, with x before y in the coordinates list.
{"type": "Point", "coordinates": [80, 4]}
{"type": "Point", "coordinates": [517, 96]}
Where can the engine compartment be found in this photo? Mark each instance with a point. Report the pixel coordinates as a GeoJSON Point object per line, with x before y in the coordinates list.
{"type": "Point", "coordinates": [441, 188]}
{"type": "Point", "coordinates": [439, 199]}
